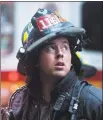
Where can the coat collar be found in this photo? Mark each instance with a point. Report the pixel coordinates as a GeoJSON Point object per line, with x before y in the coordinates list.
{"type": "Point", "coordinates": [64, 85]}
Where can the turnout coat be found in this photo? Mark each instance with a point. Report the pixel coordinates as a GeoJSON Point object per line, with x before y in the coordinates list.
{"type": "Point", "coordinates": [65, 102]}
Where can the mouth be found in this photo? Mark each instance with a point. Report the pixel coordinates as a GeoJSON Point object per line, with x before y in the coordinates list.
{"type": "Point", "coordinates": [59, 65]}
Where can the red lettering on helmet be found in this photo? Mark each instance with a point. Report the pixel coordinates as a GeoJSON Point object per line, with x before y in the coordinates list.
{"type": "Point", "coordinates": [44, 22]}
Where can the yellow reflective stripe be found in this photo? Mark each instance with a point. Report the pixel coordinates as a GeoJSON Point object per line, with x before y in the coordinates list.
{"type": "Point", "coordinates": [25, 37]}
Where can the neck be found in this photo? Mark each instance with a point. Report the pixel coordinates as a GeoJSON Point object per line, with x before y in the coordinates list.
{"type": "Point", "coordinates": [48, 83]}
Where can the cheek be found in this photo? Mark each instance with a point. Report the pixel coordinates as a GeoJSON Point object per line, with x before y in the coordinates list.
{"type": "Point", "coordinates": [46, 61]}
{"type": "Point", "coordinates": [68, 60]}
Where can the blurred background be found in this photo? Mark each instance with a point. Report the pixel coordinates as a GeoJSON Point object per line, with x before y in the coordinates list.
{"type": "Point", "coordinates": [14, 17]}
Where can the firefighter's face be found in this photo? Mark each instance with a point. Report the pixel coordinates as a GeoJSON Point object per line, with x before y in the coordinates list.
{"type": "Point", "coordinates": [55, 58]}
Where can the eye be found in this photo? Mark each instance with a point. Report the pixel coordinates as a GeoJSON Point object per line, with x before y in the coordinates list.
{"type": "Point", "coordinates": [50, 48]}
{"type": "Point", "coordinates": [66, 46]}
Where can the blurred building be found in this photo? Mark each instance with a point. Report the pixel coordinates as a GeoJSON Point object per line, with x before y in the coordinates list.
{"type": "Point", "coordinates": [14, 17]}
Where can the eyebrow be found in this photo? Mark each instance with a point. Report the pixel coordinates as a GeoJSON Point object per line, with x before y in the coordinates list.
{"type": "Point", "coordinates": [66, 42]}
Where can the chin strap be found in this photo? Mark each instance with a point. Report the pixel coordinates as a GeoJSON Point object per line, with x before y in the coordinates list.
{"type": "Point", "coordinates": [75, 101]}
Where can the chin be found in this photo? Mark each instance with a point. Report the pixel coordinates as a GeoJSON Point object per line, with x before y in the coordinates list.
{"type": "Point", "coordinates": [60, 74]}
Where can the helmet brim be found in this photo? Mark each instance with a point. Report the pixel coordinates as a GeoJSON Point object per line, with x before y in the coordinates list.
{"type": "Point", "coordinates": [71, 31]}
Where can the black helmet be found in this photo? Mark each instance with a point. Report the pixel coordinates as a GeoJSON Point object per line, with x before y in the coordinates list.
{"type": "Point", "coordinates": [43, 27]}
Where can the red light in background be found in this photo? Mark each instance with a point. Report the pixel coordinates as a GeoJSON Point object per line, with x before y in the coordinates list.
{"type": "Point", "coordinates": [13, 76]}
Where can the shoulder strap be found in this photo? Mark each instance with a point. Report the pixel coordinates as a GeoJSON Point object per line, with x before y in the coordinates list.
{"type": "Point", "coordinates": [75, 99]}
{"type": "Point", "coordinates": [71, 100]}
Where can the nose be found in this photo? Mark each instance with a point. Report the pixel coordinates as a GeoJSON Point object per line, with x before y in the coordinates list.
{"type": "Point", "coordinates": [59, 53]}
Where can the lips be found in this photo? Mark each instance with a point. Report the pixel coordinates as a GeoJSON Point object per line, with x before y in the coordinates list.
{"type": "Point", "coordinates": [59, 64]}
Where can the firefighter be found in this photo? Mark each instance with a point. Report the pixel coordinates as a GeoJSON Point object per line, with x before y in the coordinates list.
{"type": "Point", "coordinates": [48, 59]}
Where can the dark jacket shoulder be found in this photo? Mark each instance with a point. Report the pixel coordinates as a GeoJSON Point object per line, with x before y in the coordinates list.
{"type": "Point", "coordinates": [91, 98]}
{"type": "Point", "coordinates": [17, 98]}
{"type": "Point", "coordinates": [15, 102]}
